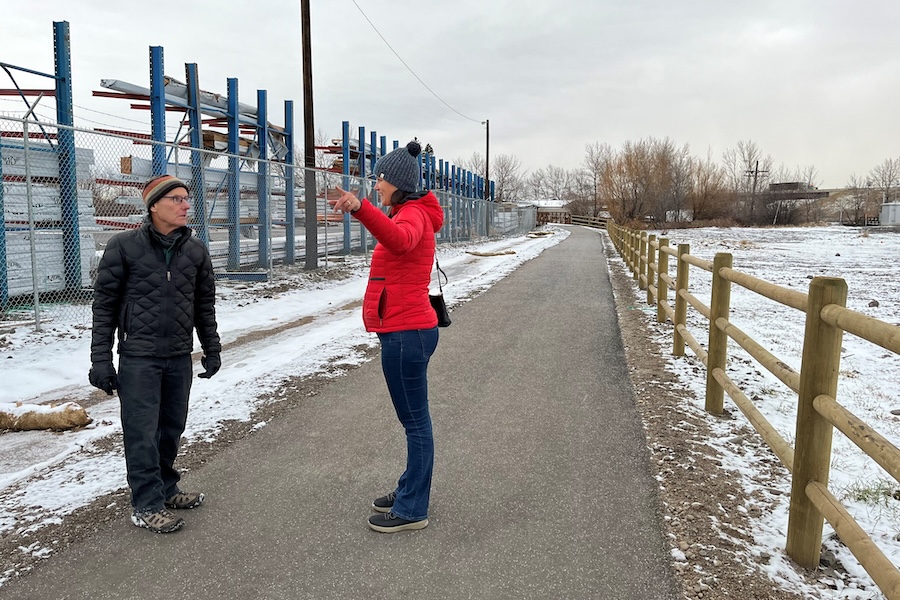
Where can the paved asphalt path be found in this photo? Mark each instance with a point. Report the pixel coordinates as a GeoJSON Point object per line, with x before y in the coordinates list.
{"type": "Point", "coordinates": [542, 487]}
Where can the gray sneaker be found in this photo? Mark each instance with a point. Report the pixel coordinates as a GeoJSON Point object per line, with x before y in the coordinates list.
{"type": "Point", "coordinates": [183, 500]}
{"type": "Point", "coordinates": [385, 503]}
{"type": "Point", "coordinates": [159, 521]}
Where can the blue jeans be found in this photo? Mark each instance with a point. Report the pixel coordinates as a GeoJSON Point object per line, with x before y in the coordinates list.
{"type": "Point", "coordinates": [153, 394]}
{"type": "Point", "coordinates": [404, 361]}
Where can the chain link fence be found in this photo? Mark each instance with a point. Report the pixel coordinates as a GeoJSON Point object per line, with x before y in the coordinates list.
{"type": "Point", "coordinates": [64, 192]}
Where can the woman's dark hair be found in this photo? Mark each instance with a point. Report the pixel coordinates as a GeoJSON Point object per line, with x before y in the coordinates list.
{"type": "Point", "coordinates": [401, 196]}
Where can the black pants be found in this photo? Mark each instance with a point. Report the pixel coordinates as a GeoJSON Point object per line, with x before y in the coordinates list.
{"type": "Point", "coordinates": [153, 393]}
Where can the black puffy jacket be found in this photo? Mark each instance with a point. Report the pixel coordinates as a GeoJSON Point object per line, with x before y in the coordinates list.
{"type": "Point", "coordinates": [154, 306]}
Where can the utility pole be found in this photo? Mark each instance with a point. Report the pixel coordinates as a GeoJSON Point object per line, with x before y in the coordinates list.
{"type": "Point", "coordinates": [309, 145]}
{"type": "Point", "coordinates": [487, 154]}
{"type": "Point", "coordinates": [755, 174]}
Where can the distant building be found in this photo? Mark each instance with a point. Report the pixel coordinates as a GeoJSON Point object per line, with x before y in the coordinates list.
{"type": "Point", "coordinates": [553, 214]}
{"type": "Point", "coordinates": [890, 214]}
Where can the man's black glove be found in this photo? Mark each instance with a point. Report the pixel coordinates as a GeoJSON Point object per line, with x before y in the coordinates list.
{"type": "Point", "coordinates": [211, 362]}
{"type": "Point", "coordinates": [103, 375]}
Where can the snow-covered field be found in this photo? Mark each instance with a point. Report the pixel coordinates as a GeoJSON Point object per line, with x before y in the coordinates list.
{"type": "Point", "coordinates": [869, 386]}
{"type": "Point", "coordinates": [315, 324]}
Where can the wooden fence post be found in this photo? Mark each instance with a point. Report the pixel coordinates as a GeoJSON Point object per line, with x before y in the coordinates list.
{"type": "Point", "coordinates": [641, 265]}
{"type": "Point", "coordinates": [819, 370]}
{"type": "Point", "coordinates": [719, 306]}
{"type": "Point", "coordinates": [662, 288]}
{"type": "Point", "coordinates": [651, 259]}
{"type": "Point", "coordinates": [682, 269]}
{"type": "Point", "coordinates": [634, 254]}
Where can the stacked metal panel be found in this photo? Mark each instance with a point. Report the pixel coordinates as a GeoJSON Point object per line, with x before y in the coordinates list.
{"type": "Point", "coordinates": [42, 161]}
{"type": "Point", "coordinates": [216, 185]}
{"type": "Point", "coordinates": [45, 206]}
{"type": "Point", "coordinates": [48, 252]}
{"type": "Point", "coordinates": [43, 223]}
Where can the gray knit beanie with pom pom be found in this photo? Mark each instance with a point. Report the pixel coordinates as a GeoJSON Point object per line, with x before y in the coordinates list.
{"type": "Point", "coordinates": [401, 168]}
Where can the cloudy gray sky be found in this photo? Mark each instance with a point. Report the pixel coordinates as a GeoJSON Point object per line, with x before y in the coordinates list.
{"type": "Point", "coordinates": [811, 82]}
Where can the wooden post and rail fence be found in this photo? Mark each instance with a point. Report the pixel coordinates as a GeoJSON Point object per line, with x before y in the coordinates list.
{"type": "Point", "coordinates": [597, 222]}
{"type": "Point", "coordinates": [816, 385]}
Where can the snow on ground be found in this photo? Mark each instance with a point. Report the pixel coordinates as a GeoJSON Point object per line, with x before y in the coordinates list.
{"type": "Point", "coordinates": [315, 325]}
{"type": "Point", "coordinates": [869, 384]}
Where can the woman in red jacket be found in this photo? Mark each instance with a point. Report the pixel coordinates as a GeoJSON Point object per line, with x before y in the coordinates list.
{"type": "Point", "coordinates": [396, 307]}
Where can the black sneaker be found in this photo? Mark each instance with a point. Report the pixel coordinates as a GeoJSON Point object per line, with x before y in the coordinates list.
{"type": "Point", "coordinates": [157, 521]}
{"type": "Point", "coordinates": [389, 523]}
{"type": "Point", "coordinates": [385, 503]}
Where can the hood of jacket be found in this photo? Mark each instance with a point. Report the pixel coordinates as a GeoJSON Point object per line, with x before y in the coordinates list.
{"type": "Point", "coordinates": [427, 202]}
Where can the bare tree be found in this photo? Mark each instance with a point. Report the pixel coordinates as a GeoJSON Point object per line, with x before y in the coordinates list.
{"type": "Point", "coordinates": [558, 183]}
{"type": "Point", "coordinates": [582, 192]}
{"type": "Point", "coordinates": [474, 163]}
{"type": "Point", "coordinates": [505, 169]}
{"type": "Point", "coordinates": [854, 200]}
{"type": "Point", "coordinates": [535, 186]}
{"type": "Point", "coordinates": [597, 160]}
{"type": "Point", "coordinates": [747, 171]}
{"type": "Point", "coordinates": [673, 179]}
{"type": "Point", "coordinates": [812, 207]}
{"type": "Point", "coordinates": [628, 182]}
{"type": "Point", "coordinates": [708, 190]}
{"type": "Point", "coordinates": [886, 176]}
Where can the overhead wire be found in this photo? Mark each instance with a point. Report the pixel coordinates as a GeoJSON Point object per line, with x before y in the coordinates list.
{"type": "Point", "coordinates": [52, 118]}
{"type": "Point", "coordinates": [100, 112]}
{"type": "Point", "coordinates": [408, 68]}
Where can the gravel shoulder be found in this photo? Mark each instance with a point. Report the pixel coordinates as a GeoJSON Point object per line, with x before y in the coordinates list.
{"type": "Point", "coordinates": [711, 563]}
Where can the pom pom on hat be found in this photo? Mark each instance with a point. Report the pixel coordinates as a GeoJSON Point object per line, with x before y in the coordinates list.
{"type": "Point", "coordinates": [401, 168]}
{"type": "Point", "coordinates": [158, 187]}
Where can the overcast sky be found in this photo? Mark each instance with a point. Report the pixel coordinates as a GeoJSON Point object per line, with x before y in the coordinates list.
{"type": "Point", "coordinates": [811, 82]}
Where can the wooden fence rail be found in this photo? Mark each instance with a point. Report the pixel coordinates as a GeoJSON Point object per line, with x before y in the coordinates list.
{"type": "Point", "coordinates": [818, 411]}
{"type": "Point", "coordinates": [598, 222]}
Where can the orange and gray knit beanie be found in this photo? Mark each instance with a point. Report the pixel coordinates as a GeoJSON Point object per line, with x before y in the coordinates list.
{"type": "Point", "coordinates": [159, 186]}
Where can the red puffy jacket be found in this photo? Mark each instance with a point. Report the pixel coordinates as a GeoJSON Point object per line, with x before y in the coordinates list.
{"type": "Point", "coordinates": [397, 294]}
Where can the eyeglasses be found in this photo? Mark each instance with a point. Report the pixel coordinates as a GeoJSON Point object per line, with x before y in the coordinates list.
{"type": "Point", "coordinates": [178, 199]}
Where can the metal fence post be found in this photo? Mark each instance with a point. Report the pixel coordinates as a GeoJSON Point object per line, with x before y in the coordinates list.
{"type": "Point", "coordinates": [4, 269]}
{"type": "Point", "coordinates": [819, 369]}
{"type": "Point", "coordinates": [719, 306]}
{"type": "Point", "coordinates": [32, 230]}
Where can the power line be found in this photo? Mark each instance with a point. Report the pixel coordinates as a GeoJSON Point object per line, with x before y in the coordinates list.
{"type": "Point", "coordinates": [100, 112]}
{"type": "Point", "coordinates": [52, 119]}
{"type": "Point", "coordinates": [409, 69]}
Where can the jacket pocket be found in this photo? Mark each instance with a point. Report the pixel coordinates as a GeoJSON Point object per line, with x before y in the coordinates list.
{"type": "Point", "coordinates": [125, 320]}
{"type": "Point", "coordinates": [382, 303]}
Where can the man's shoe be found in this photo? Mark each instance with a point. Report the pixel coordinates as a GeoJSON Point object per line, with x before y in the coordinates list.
{"type": "Point", "coordinates": [389, 523]}
{"type": "Point", "coordinates": [183, 500]}
{"type": "Point", "coordinates": [385, 503]}
{"type": "Point", "coordinates": [160, 521]}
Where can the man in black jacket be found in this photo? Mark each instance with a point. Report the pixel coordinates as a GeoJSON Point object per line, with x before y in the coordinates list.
{"type": "Point", "coordinates": [155, 285]}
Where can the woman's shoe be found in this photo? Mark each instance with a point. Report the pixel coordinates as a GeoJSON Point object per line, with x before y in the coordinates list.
{"type": "Point", "coordinates": [385, 503]}
{"type": "Point", "coordinates": [389, 523]}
